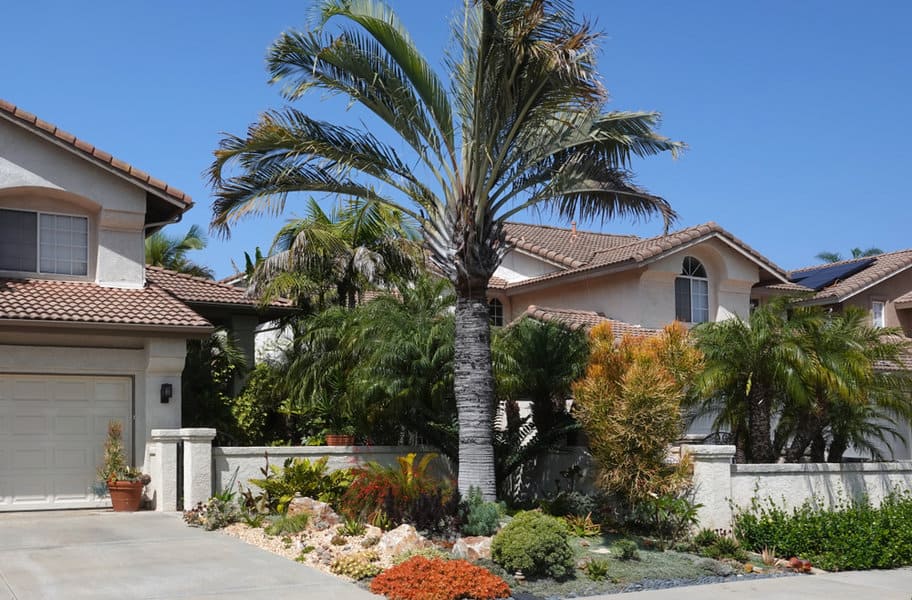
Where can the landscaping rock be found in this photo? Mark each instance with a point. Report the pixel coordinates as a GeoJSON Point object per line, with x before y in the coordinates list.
{"type": "Point", "coordinates": [322, 516]}
{"type": "Point", "coordinates": [472, 548]}
{"type": "Point", "coordinates": [401, 539]}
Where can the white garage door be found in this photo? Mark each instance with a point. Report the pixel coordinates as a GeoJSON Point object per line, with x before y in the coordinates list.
{"type": "Point", "coordinates": [52, 431]}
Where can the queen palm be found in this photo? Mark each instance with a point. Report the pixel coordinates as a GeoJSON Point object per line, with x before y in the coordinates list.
{"type": "Point", "coordinates": [170, 252]}
{"type": "Point", "coordinates": [523, 125]}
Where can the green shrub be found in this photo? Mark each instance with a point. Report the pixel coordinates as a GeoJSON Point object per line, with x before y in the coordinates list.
{"type": "Point", "coordinates": [849, 536]}
{"type": "Point", "coordinates": [668, 517]}
{"type": "Point", "coordinates": [628, 550]}
{"type": "Point", "coordinates": [352, 528]}
{"type": "Point", "coordinates": [301, 476]}
{"type": "Point", "coordinates": [570, 503]}
{"type": "Point", "coordinates": [535, 544]}
{"type": "Point", "coordinates": [705, 538]}
{"type": "Point", "coordinates": [481, 518]}
{"type": "Point", "coordinates": [597, 569]}
{"type": "Point", "coordinates": [282, 524]}
{"type": "Point", "coordinates": [582, 526]}
{"type": "Point", "coordinates": [724, 547]}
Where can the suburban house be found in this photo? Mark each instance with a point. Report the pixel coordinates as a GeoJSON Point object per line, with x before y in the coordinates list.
{"type": "Point", "coordinates": [87, 332]}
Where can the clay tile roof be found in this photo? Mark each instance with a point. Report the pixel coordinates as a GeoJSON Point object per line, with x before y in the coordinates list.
{"type": "Point", "coordinates": [85, 302]}
{"type": "Point", "coordinates": [497, 283]}
{"type": "Point", "coordinates": [30, 121]}
{"type": "Point", "coordinates": [904, 299]}
{"type": "Point", "coordinates": [197, 290]}
{"type": "Point", "coordinates": [882, 267]}
{"type": "Point", "coordinates": [563, 246]}
{"type": "Point", "coordinates": [637, 251]}
{"type": "Point", "coordinates": [795, 288]}
{"type": "Point", "coordinates": [905, 357]}
{"type": "Point", "coordinates": [584, 319]}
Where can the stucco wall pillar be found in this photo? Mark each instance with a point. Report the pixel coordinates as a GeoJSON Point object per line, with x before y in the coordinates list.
{"type": "Point", "coordinates": [712, 477]}
{"type": "Point", "coordinates": [162, 468]}
{"type": "Point", "coordinates": [197, 464]}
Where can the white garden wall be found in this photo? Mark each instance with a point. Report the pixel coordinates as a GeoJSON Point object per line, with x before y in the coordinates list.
{"type": "Point", "coordinates": [719, 484]}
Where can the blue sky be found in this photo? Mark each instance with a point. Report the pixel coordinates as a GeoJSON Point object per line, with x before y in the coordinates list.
{"type": "Point", "coordinates": [796, 113]}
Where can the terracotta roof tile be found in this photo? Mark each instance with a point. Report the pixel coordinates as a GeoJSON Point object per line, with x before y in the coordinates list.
{"type": "Point", "coordinates": [905, 358]}
{"type": "Point", "coordinates": [883, 266]}
{"type": "Point", "coordinates": [584, 319]}
{"type": "Point", "coordinates": [563, 246]}
{"type": "Point", "coordinates": [904, 299]}
{"type": "Point", "coordinates": [795, 288]}
{"type": "Point", "coordinates": [85, 302]}
{"type": "Point", "coordinates": [188, 288]}
{"type": "Point", "coordinates": [637, 251]}
{"type": "Point", "coordinates": [14, 113]}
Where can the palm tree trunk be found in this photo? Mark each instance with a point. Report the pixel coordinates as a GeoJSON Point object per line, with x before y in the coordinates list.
{"type": "Point", "coordinates": [838, 447]}
{"type": "Point", "coordinates": [758, 428]}
{"type": "Point", "coordinates": [474, 388]}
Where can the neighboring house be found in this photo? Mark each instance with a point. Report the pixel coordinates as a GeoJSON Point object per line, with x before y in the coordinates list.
{"type": "Point", "coordinates": [698, 274]}
{"type": "Point", "coordinates": [87, 332]}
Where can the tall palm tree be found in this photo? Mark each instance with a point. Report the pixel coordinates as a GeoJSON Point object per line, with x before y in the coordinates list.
{"type": "Point", "coordinates": [170, 252]}
{"type": "Point", "coordinates": [523, 125]}
{"type": "Point", "coordinates": [339, 255]}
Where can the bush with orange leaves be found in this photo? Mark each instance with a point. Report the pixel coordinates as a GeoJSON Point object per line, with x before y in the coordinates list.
{"type": "Point", "coordinates": [629, 403]}
{"type": "Point", "coordinates": [420, 578]}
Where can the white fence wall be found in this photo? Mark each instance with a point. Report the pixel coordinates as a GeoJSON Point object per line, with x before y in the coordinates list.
{"type": "Point", "coordinates": [719, 484]}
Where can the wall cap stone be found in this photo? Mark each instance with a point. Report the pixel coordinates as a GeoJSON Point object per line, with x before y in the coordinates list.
{"type": "Point", "coordinates": [904, 466]}
{"type": "Point", "coordinates": [709, 451]}
{"type": "Point", "coordinates": [165, 435]}
{"type": "Point", "coordinates": [319, 450]}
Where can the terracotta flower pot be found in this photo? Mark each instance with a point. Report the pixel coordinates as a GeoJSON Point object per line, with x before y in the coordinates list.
{"type": "Point", "coordinates": [126, 496]}
{"type": "Point", "coordinates": [338, 439]}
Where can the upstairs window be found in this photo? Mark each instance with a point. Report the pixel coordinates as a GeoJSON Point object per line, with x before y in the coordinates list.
{"type": "Point", "coordinates": [692, 292]}
{"type": "Point", "coordinates": [33, 242]}
{"type": "Point", "coordinates": [877, 314]}
{"type": "Point", "coordinates": [495, 312]}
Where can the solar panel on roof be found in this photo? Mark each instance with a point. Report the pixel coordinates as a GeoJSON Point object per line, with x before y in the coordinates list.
{"type": "Point", "coordinates": [821, 277]}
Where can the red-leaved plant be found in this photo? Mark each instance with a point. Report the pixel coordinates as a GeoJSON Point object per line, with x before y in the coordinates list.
{"type": "Point", "coordinates": [420, 578]}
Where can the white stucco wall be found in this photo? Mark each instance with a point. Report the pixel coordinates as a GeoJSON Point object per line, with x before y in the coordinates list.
{"type": "Point", "coordinates": [517, 266]}
{"type": "Point", "coordinates": [39, 175]}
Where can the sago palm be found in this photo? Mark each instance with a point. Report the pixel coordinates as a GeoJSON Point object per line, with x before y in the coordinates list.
{"type": "Point", "coordinates": [522, 125]}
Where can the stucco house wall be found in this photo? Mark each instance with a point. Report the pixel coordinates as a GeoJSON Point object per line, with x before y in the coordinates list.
{"type": "Point", "coordinates": [887, 291]}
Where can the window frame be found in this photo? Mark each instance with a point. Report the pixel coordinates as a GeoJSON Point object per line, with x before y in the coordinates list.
{"type": "Point", "coordinates": [690, 279]}
{"type": "Point", "coordinates": [495, 312]}
{"type": "Point", "coordinates": [38, 214]}
{"type": "Point", "coordinates": [883, 313]}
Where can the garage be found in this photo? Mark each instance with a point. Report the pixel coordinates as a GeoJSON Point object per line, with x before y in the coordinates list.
{"type": "Point", "coordinates": [52, 430]}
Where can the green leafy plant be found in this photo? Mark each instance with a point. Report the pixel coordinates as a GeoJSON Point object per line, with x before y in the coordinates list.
{"type": "Point", "coordinates": [582, 526]}
{"type": "Point", "coordinates": [284, 524]}
{"type": "Point", "coordinates": [725, 546]}
{"type": "Point", "coordinates": [669, 517]}
{"type": "Point", "coordinates": [300, 476]}
{"type": "Point", "coordinates": [848, 536]}
{"type": "Point", "coordinates": [597, 569]}
{"type": "Point", "coordinates": [352, 528]}
{"type": "Point", "coordinates": [360, 565]}
{"type": "Point", "coordinates": [704, 538]}
{"type": "Point", "coordinates": [482, 518]}
{"type": "Point", "coordinates": [535, 544]}
{"type": "Point", "coordinates": [628, 550]}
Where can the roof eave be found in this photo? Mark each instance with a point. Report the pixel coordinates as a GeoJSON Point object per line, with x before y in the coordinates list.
{"type": "Point", "coordinates": [107, 326]}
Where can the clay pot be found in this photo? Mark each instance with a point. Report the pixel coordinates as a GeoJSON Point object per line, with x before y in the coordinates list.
{"type": "Point", "coordinates": [126, 496]}
{"type": "Point", "coordinates": [338, 439]}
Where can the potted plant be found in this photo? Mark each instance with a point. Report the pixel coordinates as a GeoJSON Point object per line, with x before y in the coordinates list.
{"type": "Point", "coordinates": [338, 423]}
{"type": "Point", "coordinates": [125, 483]}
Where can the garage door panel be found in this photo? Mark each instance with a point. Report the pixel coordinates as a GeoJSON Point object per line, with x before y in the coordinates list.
{"type": "Point", "coordinates": [52, 429]}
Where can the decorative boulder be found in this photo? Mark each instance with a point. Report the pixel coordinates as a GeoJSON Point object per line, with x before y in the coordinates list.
{"type": "Point", "coordinates": [399, 540]}
{"type": "Point", "coordinates": [472, 548]}
{"type": "Point", "coordinates": [322, 516]}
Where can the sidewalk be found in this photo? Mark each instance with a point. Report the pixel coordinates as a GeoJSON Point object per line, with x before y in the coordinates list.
{"type": "Point", "coordinates": [865, 585]}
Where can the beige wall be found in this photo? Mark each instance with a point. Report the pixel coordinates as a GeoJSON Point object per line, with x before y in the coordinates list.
{"type": "Point", "coordinates": [39, 175]}
{"type": "Point", "coordinates": [517, 266]}
{"type": "Point", "coordinates": [887, 291]}
{"type": "Point", "coordinates": [645, 296]}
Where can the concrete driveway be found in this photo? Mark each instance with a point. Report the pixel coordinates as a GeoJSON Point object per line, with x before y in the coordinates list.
{"type": "Point", "coordinates": [101, 554]}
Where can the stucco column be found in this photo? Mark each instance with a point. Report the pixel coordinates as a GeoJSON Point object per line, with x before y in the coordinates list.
{"type": "Point", "coordinates": [197, 465]}
{"type": "Point", "coordinates": [163, 468]}
{"type": "Point", "coordinates": [712, 467]}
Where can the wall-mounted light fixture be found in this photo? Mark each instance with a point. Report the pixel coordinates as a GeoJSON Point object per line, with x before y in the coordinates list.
{"type": "Point", "coordinates": [166, 392]}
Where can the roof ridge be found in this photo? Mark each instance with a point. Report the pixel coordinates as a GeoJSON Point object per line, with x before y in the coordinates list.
{"type": "Point", "coordinates": [91, 151]}
{"type": "Point", "coordinates": [568, 230]}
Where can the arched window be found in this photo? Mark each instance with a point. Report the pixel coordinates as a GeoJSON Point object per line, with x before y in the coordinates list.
{"type": "Point", "coordinates": [495, 311]}
{"type": "Point", "coordinates": [692, 292]}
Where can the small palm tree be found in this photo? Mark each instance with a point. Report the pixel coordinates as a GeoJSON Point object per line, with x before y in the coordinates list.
{"type": "Point", "coordinates": [170, 252]}
{"type": "Point", "coordinates": [834, 257]}
{"type": "Point", "coordinates": [523, 126]}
